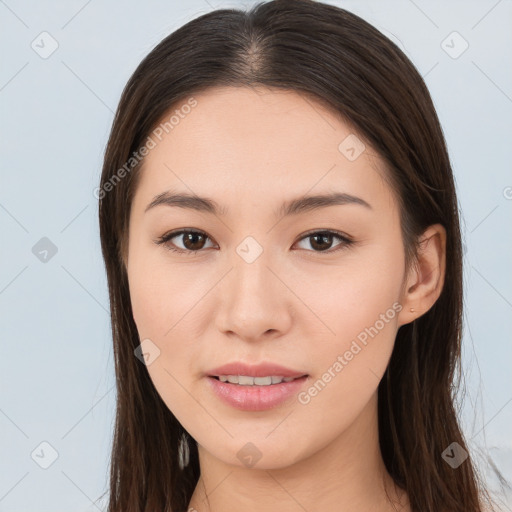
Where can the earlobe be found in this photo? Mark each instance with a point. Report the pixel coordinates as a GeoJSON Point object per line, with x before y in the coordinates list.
{"type": "Point", "coordinates": [426, 278]}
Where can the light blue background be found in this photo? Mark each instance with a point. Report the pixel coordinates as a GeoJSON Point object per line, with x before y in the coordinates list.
{"type": "Point", "coordinates": [56, 370]}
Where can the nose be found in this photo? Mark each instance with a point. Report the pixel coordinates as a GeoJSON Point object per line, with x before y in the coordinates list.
{"type": "Point", "coordinates": [255, 302]}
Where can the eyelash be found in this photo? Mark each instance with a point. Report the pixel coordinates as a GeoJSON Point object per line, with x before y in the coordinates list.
{"type": "Point", "coordinates": [163, 240]}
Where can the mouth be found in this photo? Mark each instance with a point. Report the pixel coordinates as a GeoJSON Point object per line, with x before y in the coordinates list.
{"type": "Point", "coordinates": [247, 380]}
{"type": "Point", "coordinates": [248, 393]}
{"type": "Point", "coordinates": [262, 374]}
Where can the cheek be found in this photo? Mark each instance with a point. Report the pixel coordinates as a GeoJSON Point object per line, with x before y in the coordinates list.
{"type": "Point", "coordinates": [161, 294]}
{"type": "Point", "coordinates": [166, 300]}
{"type": "Point", "coordinates": [350, 298]}
{"type": "Point", "coordinates": [163, 309]}
{"type": "Point", "coordinates": [358, 306]}
{"type": "Point", "coordinates": [362, 309]}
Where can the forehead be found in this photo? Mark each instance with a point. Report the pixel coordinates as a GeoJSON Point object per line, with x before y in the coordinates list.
{"type": "Point", "coordinates": [250, 144]}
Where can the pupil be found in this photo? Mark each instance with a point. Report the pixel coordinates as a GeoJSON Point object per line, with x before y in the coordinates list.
{"type": "Point", "coordinates": [319, 241]}
{"type": "Point", "coordinates": [326, 239]}
{"type": "Point", "coordinates": [190, 237]}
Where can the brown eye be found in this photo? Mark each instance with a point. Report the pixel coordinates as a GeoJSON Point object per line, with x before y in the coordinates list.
{"type": "Point", "coordinates": [321, 241]}
{"type": "Point", "coordinates": [192, 241]}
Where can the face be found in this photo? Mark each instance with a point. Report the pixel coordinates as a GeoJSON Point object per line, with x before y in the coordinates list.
{"type": "Point", "coordinates": [316, 289]}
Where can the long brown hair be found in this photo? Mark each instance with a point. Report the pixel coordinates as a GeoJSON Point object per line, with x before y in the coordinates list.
{"type": "Point", "coordinates": [337, 58]}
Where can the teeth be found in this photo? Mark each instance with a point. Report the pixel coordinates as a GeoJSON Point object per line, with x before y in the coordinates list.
{"type": "Point", "coordinates": [246, 380]}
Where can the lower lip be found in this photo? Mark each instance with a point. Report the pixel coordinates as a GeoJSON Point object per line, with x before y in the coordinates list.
{"type": "Point", "coordinates": [256, 398]}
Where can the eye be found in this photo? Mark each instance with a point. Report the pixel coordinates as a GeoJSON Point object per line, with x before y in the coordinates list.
{"type": "Point", "coordinates": [193, 242]}
{"type": "Point", "coordinates": [321, 240]}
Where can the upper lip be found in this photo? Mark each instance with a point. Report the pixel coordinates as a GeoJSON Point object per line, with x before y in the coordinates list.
{"type": "Point", "coordinates": [259, 370]}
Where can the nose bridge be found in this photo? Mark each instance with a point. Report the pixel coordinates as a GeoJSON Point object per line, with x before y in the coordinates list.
{"type": "Point", "coordinates": [251, 258]}
{"type": "Point", "coordinates": [252, 299]}
{"type": "Point", "coordinates": [253, 276]}
{"type": "Point", "coordinates": [251, 284]}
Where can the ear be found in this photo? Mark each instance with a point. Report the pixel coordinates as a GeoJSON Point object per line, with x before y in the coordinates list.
{"type": "Point", "coordinates": [425, 279]}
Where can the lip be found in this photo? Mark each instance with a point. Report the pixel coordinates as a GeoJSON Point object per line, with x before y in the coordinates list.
{"type": "Point", "coordinates": [260, 370]}
{"type": "Point", "coordinates": [256, 398]}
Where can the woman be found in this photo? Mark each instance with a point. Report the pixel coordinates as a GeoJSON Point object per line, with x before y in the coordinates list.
{"type": "Point", "coordinates": [281, 237]}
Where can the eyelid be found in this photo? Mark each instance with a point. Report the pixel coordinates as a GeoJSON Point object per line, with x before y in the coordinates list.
{"type": "Point", "coordinates": [165, 238]}
{"type": "Point", "coordinates": [345, 239]}
{"type": "Point", "coordinates": [328, 231]}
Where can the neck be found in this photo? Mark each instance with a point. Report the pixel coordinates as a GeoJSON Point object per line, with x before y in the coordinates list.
{"type": "Point", "coordinates": [348, 474]}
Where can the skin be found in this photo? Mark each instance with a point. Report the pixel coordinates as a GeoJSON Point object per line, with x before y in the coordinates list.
{"type": "Point", "coordinates": [251, 149]}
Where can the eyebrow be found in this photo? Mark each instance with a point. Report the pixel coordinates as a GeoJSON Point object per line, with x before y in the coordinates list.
{"type": "Point", "coordinates": [293, 207]}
